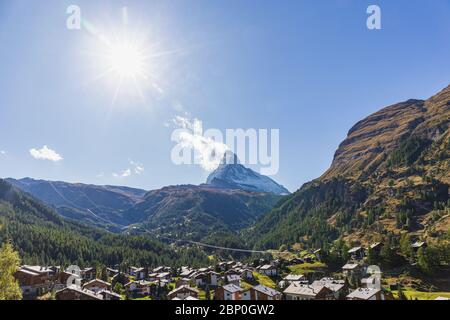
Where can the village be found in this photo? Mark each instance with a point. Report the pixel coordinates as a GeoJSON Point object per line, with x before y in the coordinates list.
{"type": "Point", "coordinates": [264, 279]}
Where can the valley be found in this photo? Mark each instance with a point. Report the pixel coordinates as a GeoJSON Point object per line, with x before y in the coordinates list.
{"type": "Point", "coordinates": [386, 194]}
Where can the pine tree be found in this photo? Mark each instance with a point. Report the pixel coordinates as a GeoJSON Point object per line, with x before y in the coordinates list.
{"type": "Point", "coordinates": [9, 264]}
{"type": "Point", "coordinates": [405, 246]}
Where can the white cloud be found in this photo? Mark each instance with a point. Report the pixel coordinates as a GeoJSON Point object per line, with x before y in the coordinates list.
{"type": "Point", "coordinates": [2, 152]}
{"type": "Point", "coordinates": [124, 174]}
{"type": "Point", "coordinates": [45, 153]}
{"type": "Point", "coordinates": [134, 169]}
{"type": "Point", "coordinates": [208, 152]}
{"type": "Point", "coordinates": [137, 167]}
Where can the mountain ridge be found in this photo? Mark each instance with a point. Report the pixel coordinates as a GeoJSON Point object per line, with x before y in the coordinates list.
{"type": "Point", "coordinates": [394, 164]}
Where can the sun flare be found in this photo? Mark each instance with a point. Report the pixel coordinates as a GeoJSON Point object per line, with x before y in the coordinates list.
{"type": "Point", "coordinates": [127, 61]}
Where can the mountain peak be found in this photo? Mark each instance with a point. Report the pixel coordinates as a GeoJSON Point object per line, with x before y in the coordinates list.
{"type": "Point", "coordinates": [233, 175]}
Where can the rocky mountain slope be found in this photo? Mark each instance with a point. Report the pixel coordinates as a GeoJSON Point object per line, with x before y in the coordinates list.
{"type": "Point", "coordinates": [390, 175]}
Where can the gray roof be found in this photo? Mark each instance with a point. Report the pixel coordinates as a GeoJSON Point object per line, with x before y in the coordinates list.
{"type": "Point", "coordinates": [267, 267]}
{"type": "Point", "coordinates": [266, 290]}
{"type": "Point", "coordinates": [293, 277]}
{"type": "Point", "coordinates": [182, 288]}
{"type": "Point", "coordinates": [84, 292]}
{"type": "Point", "coordinates": [363, 293]}
{"type": "Point", "coordinates": [233, 277]}
{"type": "Point", "coordinates": [232, 288]}
{"type": "Point", "coordinates": [355, 249]}
{"type": "Point", "coordinates": [330, 283]}
{"type": "Point", "coordinates": [303, 289]}
{"type": "Point", "coordinates": [350, 266]}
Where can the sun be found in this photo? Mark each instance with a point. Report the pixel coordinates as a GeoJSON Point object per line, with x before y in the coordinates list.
{"type": "Point", "coordinates": [127, 61]}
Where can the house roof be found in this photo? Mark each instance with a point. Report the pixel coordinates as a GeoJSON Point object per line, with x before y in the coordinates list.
{"type": "Point", "coordinates": [233, 277]}
{"type": "Point", "coordinates": [374, 245]}
{"type": "Point", "coordinates": [97, 281]}
{"type": "Point", "coordinates": [184, 287]}
{"type": "Point", "coordinates": [303, 289]}
{"type": "Point", "coordinates": [107, 292]}
{"type": "Point", "coordinates": [266, 290]}
{"type": "Point", "coordinates": [355, 249]}
{"type": "Point", "coordinates": [363, 293]}
{"type": "Point", "coordinates": [267, 267]}
{"type": "Point", "coordinates": [294, 277]}
{"type": "Point", "coordinates": [84, 292]}
{"type": "Point", "coordinates": [37, 269]}
{"type": "Point", "coordinates": [418, 244]}
{"type": "Point", "coordinates": [330, 283]}
{"type": "Point", "coordinates": [29, 272]}
{"type": "Point", "coordinates": [350, 266]}
{"type": "Point", "coordinates": [232, 288]}
{"type": "Point", "coordinates": [163, 275]}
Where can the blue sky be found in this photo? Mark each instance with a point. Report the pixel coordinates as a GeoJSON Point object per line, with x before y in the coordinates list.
{"type": "Point", "coordinates": [309, 68]}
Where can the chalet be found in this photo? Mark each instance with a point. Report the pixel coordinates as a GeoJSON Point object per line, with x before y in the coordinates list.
{"type": "Point", "coordinates": [294, 278]}
{"type": "Point", "coordinates": [417, 245]}
{"type": "Point", "coordinates": [183, 292]}
{"type": "Point", "coordinates": [89, 274]}
{"type": "Point", "coordinates": [222, 266]}
{"type": "Point", "coordinates": [152, 276]}
{"type": "Point", "coordinates": [298, 291]}
{"type": "Point", "coordinates": [261, 292]}
{"type": "Point", "coordinates": [246, 274]}
{"type": "Point", "coordinates": [268, 270]}
{"type": "Point", "coordinates": [138, 273]}
{"type": "Point", "coordinates": [337, 287]}
{"type": "Point", "coordinates": [163, 276]}
{"type": "Point", "coordinates": [110, 272]}
{"type": "Point", "coordinates": [233, 279]}
{"type": "Point", "coordinates": [75, 293]}
{"type": "Point", "coordinates": [369, 282]}
{"type": "Point", "coordinates": [366, 294]}
{"type": "Point", "coordinates": [63, 278]}
{"type": "Point", "coordinates": [34, 280]}
{"type": "Point", "coordinates": [357, 253]}
{"type": "Point", "coordinates": [97, 285]}
{"type": "Point", "coordinates": [182, 282]}
{"type": "Point", "coordinates": [159, 270]}
{"type": "Point", "coordinates": [318, 254]}
{"type": "Point", "coordinates": [121, 278]}
{"type": "Point", "coordinates": [186, 273]}
{"type": "Point", "coordinates": [138, 288]}
{"type": "Point", "coordinates": [229, 292]}
{"type": "Point", "coordinates": [207, 278]}
{"type": "Point", "coordinates": [109, 295]}
{"type": "Point", "coordinates": [352, 269]}
{"type": "Point", "coordinates": [376, 247]}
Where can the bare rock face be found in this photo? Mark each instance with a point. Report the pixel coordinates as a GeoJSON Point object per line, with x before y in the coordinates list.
{"type": "Point", "coordinates": [370, 141]}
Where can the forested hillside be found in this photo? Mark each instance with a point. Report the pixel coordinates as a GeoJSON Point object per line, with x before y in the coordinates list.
{"type": "Point", "coordinates": [42, 237]}
{"type": "Point", "coordinates": [390, 176]}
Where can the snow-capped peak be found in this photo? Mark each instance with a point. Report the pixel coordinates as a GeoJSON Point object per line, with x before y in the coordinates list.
{"type": "Point", "coordinates": [231, 174]}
